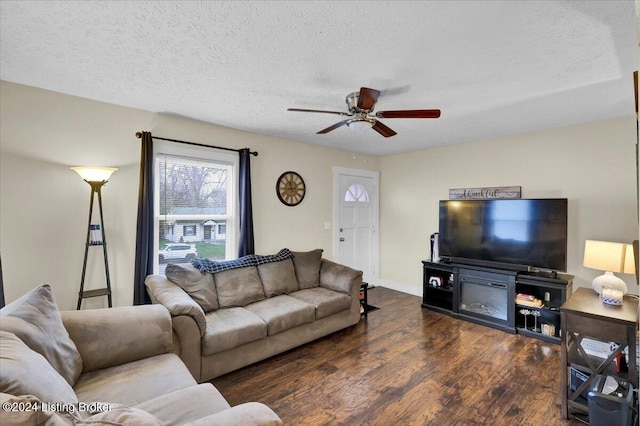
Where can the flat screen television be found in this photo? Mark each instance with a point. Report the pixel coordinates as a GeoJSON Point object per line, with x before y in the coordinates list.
{"type": "Point", "coordinates": [518, 234]}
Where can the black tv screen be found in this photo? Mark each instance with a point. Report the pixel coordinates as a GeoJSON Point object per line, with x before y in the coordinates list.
{"type": "Point", "coordinates": [525, 233]}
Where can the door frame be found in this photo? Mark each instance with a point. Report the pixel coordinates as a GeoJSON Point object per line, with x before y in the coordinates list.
{"type": "Point", "coordinates": [337, 171]}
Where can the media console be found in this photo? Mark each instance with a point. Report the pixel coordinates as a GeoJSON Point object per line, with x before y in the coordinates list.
{"type": "Point", "coordinates": [487, 296]}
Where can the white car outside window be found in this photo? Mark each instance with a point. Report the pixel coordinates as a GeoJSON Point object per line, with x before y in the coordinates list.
{"type": "Point", "coordinates": [177, 251]}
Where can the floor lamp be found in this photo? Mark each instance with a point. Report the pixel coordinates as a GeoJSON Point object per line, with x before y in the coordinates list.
{"type": "Point", "coordinates": [96, 177]}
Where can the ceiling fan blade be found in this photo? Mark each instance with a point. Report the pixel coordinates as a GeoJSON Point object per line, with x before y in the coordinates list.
{"type": "Point", "coordinates": [383, 130]}
{"type": "Point", "coordinates": [335, 126]}
{"type": "Point", "coordinates": [409, 113]}
{"type": "Point", "coordinates": [318, 110]}
{"type": "Point", "coordinates": [367, 98]}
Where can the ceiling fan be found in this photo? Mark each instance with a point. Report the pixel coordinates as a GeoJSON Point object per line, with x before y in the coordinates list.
{"type": "Point", "coordinates": [360, 105]}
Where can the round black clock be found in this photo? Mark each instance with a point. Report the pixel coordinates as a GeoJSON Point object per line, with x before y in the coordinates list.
{"type": "Point", "coordinates": [290, 188]}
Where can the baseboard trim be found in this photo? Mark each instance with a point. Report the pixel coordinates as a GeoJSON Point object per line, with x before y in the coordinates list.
{"type": "Point", "coordinates": [402, 287]}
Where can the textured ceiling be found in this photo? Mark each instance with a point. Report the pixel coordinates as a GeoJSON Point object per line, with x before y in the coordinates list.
{"type": "Point", "coordinates": [494, 68]}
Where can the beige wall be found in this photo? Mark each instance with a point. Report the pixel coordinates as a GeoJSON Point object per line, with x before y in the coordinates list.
{"type": "Point", "coordinates": [44, 205]}
{"type": "Point", "coordinates": [593, 165]}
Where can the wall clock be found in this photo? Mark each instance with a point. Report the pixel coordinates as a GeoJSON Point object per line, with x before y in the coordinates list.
{"type": "Point", "coordinates": [290, 188]}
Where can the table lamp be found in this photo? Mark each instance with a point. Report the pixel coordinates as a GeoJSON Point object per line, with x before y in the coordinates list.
{"type": "Point", "coordinates": [609, 257]}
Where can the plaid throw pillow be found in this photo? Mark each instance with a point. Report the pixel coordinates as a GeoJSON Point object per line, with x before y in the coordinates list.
{"type": "Point", "coordinates": [213, 266]}
{"type": "Point", "coordinates": [283, 254]}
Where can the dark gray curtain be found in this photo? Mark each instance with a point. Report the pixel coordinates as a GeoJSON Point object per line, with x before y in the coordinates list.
{"type": "Point", "coordinates": [245, 242]}
{"type": "Point", "coordinates": [144, 233]}
{"type": "Point", "coordinates": [1, 286]}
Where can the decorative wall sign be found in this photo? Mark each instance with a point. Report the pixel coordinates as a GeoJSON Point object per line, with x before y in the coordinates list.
{"type": "Point", "coordinates": [483, 193]}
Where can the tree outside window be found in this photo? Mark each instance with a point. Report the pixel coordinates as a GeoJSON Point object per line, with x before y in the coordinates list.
{"type": "Point", "coordinates": [192, 194]}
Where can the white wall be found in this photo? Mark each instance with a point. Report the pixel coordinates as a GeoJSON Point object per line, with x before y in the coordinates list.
{"type": "Point", "coordinates": [44, 206]}
{"type": "Point", "coordinates": [593, 165]}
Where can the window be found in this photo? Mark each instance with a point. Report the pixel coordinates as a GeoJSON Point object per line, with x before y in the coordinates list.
{"type": "Point", "coordinates": [356, 192]}
{"type": "Point", "coordinates": [195, 189]}
{"type": "Point", "coordinates": [189, 230]}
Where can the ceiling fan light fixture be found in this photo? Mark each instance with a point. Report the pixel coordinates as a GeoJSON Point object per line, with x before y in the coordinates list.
{"type": "Point", "coordinates": [352, 101]}
{"type": "Point", "coordinates": [360, 126]}
{"type": "Point", "coordinates": [360, 106]}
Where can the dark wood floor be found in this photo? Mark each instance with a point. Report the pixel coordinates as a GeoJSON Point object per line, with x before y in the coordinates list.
{"type": "Point", "coordinates": [404, 365]}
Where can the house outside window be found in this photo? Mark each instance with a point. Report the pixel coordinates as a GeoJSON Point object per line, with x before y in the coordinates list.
{"type": "Point", "coordinates": [195, 199]}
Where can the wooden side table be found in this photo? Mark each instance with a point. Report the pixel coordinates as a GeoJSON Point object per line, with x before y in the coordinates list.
{"type": "Point", "coordinates": [585, 315]}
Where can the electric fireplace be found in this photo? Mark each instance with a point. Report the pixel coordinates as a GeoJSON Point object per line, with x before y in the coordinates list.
{"type": "Point", "coordinates": [487, 297]}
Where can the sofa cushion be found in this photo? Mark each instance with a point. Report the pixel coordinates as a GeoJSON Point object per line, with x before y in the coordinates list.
{"type": "Point", "coordinates": [35, 319]}
{"type": "Point", "coordinates": [278, 277]}
{"type": "Point", "coordinates": [327, 302]}
{"type": "Point", "coordinates": [307, 268]}
{"type": "Point", "coordinates": [230, 328]}
{"type": "Point", "coordinates": [199, 285]}
{"type": "Point", "coordinates": [238, 287]}
{"type": "Point", "coordinates": [26, 372]}
{"type": "Point", "coordinates": [98, 413]}
{"type": "Point", "coordinates": [249, 413]}
{"type": "Point", "coordinates": [186, 405]}
{"type": "Point", "coordinates": [28, 416]}
{"type": "Point", "coordinates": [283, 312]}
{"type": "Point", "coordinates": [135, 382]}
{"type": "Point", "coordinates": [117, 414]}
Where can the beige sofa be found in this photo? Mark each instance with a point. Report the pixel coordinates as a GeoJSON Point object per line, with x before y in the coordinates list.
{"type": "Point", "coordinates": [103, 366]}
{"type": "Point", "coordinates": [260, 307]}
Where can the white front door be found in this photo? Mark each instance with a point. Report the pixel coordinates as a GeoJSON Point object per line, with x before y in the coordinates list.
{"type": "Point", "coordinates": [355, 232]}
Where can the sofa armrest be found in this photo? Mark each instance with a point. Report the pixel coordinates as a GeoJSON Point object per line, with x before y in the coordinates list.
{"type": "Point", "coordinates": [114, 336]}
{"type": "Point", "coordinates": [247, 414]}
{"type": "Point", "coordinates": [175, 299]}
{"type": "Point", "coordinates": [339, 277]}
{"type": "Point", "coordinates": [187, 342]}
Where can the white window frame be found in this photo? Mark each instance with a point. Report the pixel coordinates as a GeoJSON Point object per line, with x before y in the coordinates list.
{"type": "Point", "coordinates": [198, 154]}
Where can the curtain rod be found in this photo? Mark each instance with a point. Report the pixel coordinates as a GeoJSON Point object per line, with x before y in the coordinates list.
{"type": "Point", "coordinates": [139, 136]}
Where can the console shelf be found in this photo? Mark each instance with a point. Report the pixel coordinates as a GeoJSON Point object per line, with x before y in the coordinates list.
{"type": "Point", "coordinates": [439, 295]}
{"type": "Point", "coordinates": [445, 291]}
{"type": "Point", "coordinates": [553, 293]}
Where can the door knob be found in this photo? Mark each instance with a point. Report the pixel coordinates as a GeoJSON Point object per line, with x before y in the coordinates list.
{"type": "Point", "coordinates": [341, 240]}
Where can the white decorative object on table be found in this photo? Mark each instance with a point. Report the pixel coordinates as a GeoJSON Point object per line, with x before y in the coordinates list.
{"type": "Point", "coordinates": [611, 296]}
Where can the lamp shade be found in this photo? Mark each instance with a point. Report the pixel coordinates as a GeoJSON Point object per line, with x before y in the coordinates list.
{"type": "Point", "coordinates": [359, 126]}
{"type": "Point", "coordinates": [609, 257]}
{"type": "Point", "coordinates": [629, 261]}
{"type": "Point", "coordinates": [605, 256]}
{"type": "Point", "coordinates": [94, 174]}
